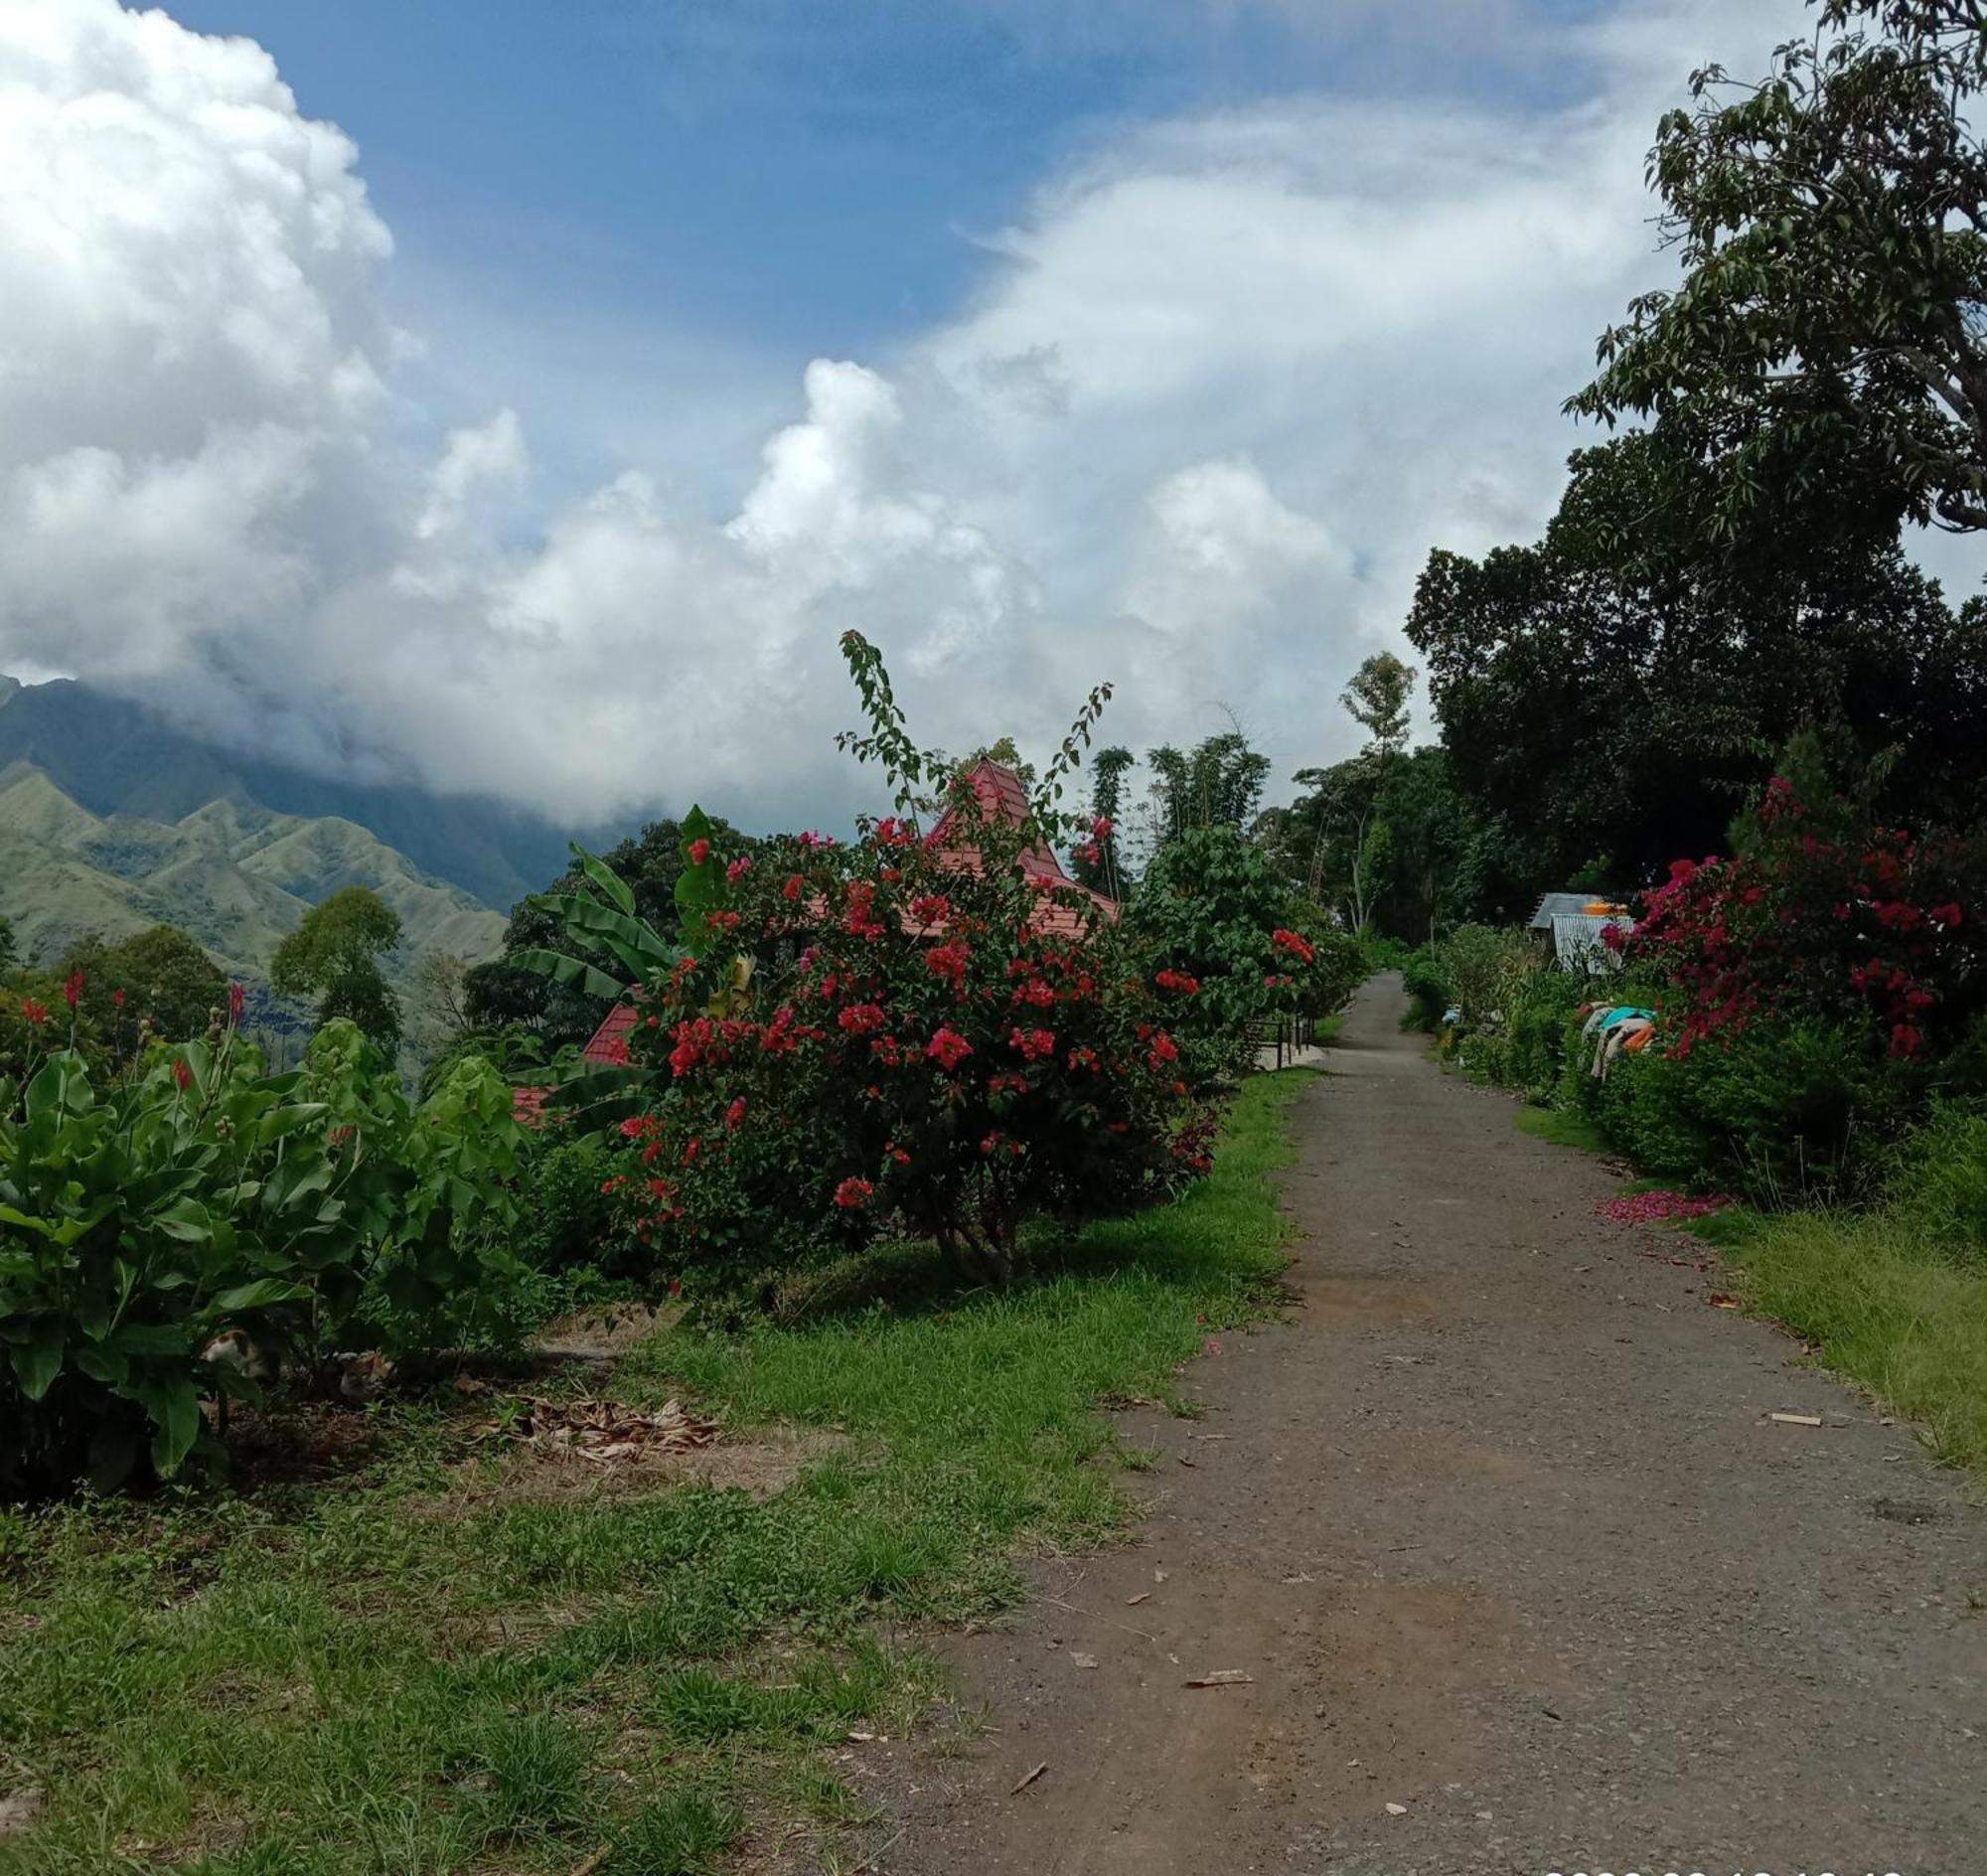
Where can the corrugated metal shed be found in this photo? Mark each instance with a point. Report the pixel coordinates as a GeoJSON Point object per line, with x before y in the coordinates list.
{"type": "Point", "coordinates": [1577, 944]}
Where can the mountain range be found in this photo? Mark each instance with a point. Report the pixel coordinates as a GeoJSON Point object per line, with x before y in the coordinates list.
{"type": "Point", "coordinates": [237, 877]}
{"type": "Point", "coordinates": [116, 758]}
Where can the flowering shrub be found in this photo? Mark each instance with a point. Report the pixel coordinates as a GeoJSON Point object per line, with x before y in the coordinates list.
{"type": "Point", "coordinates": [1880, 930]}
{"type": "Point", "coordinates": [844, 1039]}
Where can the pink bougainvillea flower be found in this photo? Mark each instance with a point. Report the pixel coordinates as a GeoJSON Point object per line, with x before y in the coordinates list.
{"type": "Point", "coordinates": [852, 1194]}
{"type": "Point", "coordinates": [699, 851]}
{"type": "Point", "coordinates": [738, 869]}
{"type": "Point", "coordinates": [1659, 1207]}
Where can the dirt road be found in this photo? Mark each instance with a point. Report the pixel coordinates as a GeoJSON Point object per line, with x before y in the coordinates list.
{"type": "Point", "coordinates": [1524, 1575]}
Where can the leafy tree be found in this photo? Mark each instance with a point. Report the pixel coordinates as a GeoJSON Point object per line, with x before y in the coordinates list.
{"type": "Point", "coordinates": [333, 956]}
{"type": "Point", "coordinates": [1827, 341]}
{"type": "Point", "coordinates": [1377, 701]}
{"type": "Point", "coordinates": [1609, 696]}
{"type": "Point", "coordinates": [1215, 784]}
{"type": "Point", "coordinates": [163, 973]}
{"type": "Point", "coordinates": [7, 947]}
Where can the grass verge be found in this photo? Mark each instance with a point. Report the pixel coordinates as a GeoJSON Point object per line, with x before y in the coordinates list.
{"type": "Point", "coordinates": [1562, 1128]}
{"type": "Point", "coordinates": [350, 1678]}
{"type": "Point", "coordinates": [1880, 1307]}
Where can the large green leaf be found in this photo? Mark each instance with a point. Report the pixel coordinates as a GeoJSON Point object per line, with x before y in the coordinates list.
{"type": "Point", "coordinates": [605, 879]}
{"type": "Point", "coordinates": [175, 1411]}
{"type": "Point", "coordinates": [575, 973]}
{"type": "Point", "coordinates": [258, 1295]}
{"type": "Point", "coordinates": [38, 1359]}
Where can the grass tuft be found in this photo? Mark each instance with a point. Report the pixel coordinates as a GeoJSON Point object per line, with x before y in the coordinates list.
{"type": "Point", "coordinates": [1562, 1128]}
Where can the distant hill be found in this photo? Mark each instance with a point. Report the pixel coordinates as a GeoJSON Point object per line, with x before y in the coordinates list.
{"type": "Point", "coordinates": [235, 875]}
{"type": "Point", "coordinates": [117, 760]}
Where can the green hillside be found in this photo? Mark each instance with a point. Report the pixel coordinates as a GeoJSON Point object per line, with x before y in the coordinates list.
{"type": "Point", "coordinates": [237, 878]}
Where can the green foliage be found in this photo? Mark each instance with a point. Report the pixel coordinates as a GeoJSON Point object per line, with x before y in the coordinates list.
{"type": "Point", "coordinates": [7, 946]}
{"type": "Point", "coordinates": [143, 1215]}
{"type": "Point", "coordinates": [335, 956]}
{"type": "Point", "coordinates": [1608, 698]}
{"type": "Point", "coordinates": [1215, 784]}
{"type": "Point", "coordinates": [1825, 346]}
{"type": "Point", "coordinates": [573, 1222]}
{"type": "Point", "coordinates": [1207, 907]}
{"type": "Point", "coordinates": [166, 979]}
{"type": "Point", "coordinates": [1935, 1187]}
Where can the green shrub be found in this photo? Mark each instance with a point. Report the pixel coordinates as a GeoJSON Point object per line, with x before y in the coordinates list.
{"type": "Point", "coordinates": [141, 1215]}
{"type": "Point", "coordinates": [1782, 1113]}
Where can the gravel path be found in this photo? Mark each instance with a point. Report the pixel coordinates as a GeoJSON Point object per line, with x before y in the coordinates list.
{"type": "Point", "coordinates": [1524, 1575]}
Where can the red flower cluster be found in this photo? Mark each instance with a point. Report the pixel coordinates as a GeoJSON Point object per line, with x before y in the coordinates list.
{"type": "Point", "coordinates": [1298, 946]}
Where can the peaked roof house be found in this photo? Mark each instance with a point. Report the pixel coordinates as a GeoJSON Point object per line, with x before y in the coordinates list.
{"type": "Point", "coordinates": [1001, 798]}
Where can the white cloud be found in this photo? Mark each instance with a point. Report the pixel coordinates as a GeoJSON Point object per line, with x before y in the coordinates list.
{"type": "Point", "coordinates": [1224, 386]}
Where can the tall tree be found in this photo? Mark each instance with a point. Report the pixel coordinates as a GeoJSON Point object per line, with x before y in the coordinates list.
{"type": "Point", "coordinates": [1377, 699]}
{"type": "Point", "coordinates": [1828, 341]}
{"type": "Point", "coordinates": [1215, 784]}
{"type": "Point", "coordinates": [1609, 696]}
{"type": "Point", "coordinates": [333, 956]}
{"type": "Point", "coordinates": [1106, 874]}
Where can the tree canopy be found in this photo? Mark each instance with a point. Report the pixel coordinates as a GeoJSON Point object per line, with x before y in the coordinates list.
{"type": "Point", "coordinates": [333, 956]}
{"type": "Point", "coordinates": [1827, 342]}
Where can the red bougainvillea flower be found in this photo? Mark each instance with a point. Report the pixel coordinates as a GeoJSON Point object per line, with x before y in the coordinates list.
{"type": "Point", "coordinates": [33, 1013]}
{"type": "Point", "coordinates": [1031, 1045]}
{"type": "Point", "coordinates": [1179, 981]}
{"type": "Point", "coordinates": [931, 908]}
{"type": "Point", "coordinates": [73, 989]}
{"type": "Point", "coordinates": [792, 890]}
{"type": "Point", "coordinates": [722, 921]}
{"type": "Point", "coordinates": [853, 1195]}
{"type": "Point", "coordinates": [699, 851]}
{"type": "Point", "coordinates": [1163, 1049]}
{"type": "Point", "coordinates": [182, 1074]}
{"type": "Point", "coordinates": [1294, 943]}
{"type": "Point", "coordinates": [738, 869]}
{"type": "Point", "coordinates": [735, 1115]}
{"type": "Point", "coordinates": [948, 961]}
{"type": "Point", "coordinates": [1082, 1058]}
{"type": "Point", "coordinates": [634, 1127]}
{"type": "Point", "coordinates": [949, 1048]}
{"type": "Point", "coordinates": [238, 1001]}
{"type": "Point", "coordinates": [860, 1019]}
{"type": "Point", "coordinates": [118, 998]}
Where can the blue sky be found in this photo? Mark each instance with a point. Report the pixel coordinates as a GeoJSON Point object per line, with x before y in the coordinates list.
{"type": "Point", "coordinates": [524, 396]}
{"type": "Point", "coordinates": [799, 176]}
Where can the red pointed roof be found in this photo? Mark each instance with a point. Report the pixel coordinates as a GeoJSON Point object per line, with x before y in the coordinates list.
{"type": "Point", "coordinates": [1000, 796]}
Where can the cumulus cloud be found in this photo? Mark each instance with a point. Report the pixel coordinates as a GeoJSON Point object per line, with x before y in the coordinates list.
{"type": "Point", "coordinates": [1225, 384]}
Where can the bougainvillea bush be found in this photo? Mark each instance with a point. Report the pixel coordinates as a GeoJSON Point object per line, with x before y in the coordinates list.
{"type": "Point", "coordinates": [1878, 930]}
{"type": "Point", "coordinates": [1815, 992]}
{"type": "Point", "coordinates": [891, 1035]}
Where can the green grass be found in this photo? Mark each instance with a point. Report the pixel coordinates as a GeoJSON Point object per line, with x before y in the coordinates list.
{"type": "Point", "coordinates": [1880, 1307]}
{"type": "Point", "coordinates": [346, 1678]}
{"type": "Point", "coordinates": [1326, 1030]}
{"type": "Point", "coordinates": [1562, 1128]}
